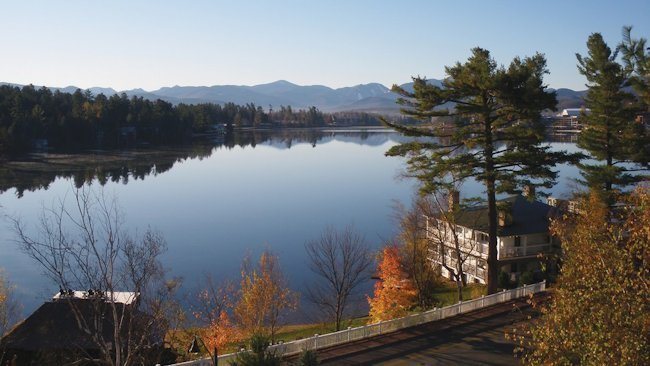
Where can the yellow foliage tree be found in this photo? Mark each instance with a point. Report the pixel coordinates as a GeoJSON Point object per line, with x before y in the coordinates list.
{"type": "Point", "coordinates": [599, 310]}
{"type": "Point", "coordinates": [8, 307]}
{"type": "Point", "coordinates": [263, 297]}
{"type": "Point", "coordinates": [394, 294]}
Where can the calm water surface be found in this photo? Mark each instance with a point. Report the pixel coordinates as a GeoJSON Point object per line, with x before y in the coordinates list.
{"type": "Point", "coordinates": [214, 207]}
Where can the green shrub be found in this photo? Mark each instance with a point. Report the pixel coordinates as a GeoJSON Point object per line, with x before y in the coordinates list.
{"type": "Point", "coordinates": [526, 278]}
{"type": "Point", "coordinates": [259, 354]}
{"type": "Point", "coordinates": [308, 358]}
{"type": "Point", "coordinates": [504, 280]}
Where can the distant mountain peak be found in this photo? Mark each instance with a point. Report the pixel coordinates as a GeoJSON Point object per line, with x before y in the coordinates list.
{"type": "Point", "coordinates": [370, 97]}
{"type": "Point", "coordinates": [280, 82]}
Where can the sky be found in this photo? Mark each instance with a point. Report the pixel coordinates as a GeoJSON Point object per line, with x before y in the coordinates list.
{"type": "Point", "coordinates": [127, 44]}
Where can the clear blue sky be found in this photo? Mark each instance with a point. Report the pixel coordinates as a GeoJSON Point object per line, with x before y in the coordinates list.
{"type": "Point", "coordinates": [151, 44]}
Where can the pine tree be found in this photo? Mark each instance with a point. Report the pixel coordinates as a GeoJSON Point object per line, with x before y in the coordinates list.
{"type": "Point", "coordinates": [636, 57]}
{"type": "Point", "coordinates": [611, 134]}
{"type": "Point", "coordinates": [495, 133]}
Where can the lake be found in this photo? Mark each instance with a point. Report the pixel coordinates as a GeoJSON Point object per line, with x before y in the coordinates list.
{"type": "Point", "coordinates": [215, 202]}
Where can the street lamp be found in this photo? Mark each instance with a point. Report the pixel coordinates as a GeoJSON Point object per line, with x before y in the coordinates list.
{"type": "Point", "coordinates": [195, 348]}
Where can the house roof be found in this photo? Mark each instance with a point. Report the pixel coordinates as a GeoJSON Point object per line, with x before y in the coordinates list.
{"type": "Point", "coordinates": [53, 326]}
{"type": "Point", "coordinates": [528, 217]}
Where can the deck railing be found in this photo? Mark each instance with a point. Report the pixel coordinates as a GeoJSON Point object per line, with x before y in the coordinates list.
{"type": "Point", "coordinates": [371, 330]}
{"type": "Point", "coordinates": [529, 250]}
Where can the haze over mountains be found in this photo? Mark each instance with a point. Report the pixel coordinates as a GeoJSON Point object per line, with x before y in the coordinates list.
{"type": "Point", "coordinates": [372, 98]}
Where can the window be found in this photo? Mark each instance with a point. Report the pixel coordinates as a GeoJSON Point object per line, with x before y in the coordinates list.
{"type": "Point", "coordinates": [481, 237]}
{"type": "Point", "coordinates": [517, 241]}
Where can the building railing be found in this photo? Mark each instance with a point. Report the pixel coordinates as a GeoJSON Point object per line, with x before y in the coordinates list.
{"type": "Point", "coordinates": [366, 331]}
{"type": "Point", "coordinates": [468, 245]}
{"type": "Point", "coordinates": [528, 250]}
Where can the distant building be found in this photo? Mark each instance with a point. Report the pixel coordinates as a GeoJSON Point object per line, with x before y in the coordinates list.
{"type": "Point", "coordinates": [644, 119]}
{"type": "Point", "coordinates": [568, 120]}
{"type": "Point", "coordinates": [523, 234]}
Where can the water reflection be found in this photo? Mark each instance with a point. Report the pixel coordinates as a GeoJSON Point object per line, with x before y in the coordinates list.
{"type": "Point", "coordinates": [217, 200]}
{"type": "Point", "coordinates": [37, 171]}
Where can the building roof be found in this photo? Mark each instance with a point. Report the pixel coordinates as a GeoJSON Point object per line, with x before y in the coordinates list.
{"type": "Point", "coordinates": [528, 217]}
{"type": "Point", "coordinates": [53, 326]}
{"type": "Point", "coordinates": [574, 112]}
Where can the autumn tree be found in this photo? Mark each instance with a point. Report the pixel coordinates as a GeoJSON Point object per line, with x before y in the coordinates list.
{"type": "Point", "coordinates": [82, 244]}
{"type": "Point", "coordinates": [9, 311]}
{"type": "Point", "coordinates": [264, 296]}
{"type": "Point", "coordinates": [8, 306]}
{"type": "Point", "coordinates": [415, 249]}
{"type": "Point", "coordinates": [494, 135]}
{"type": "Point", "coordinates": [212, 306]}
{"type": "Point", "coordinates": [394, 295]}
{"type": "Point", "coordinates": [341, 262]}
{"type": "Point", "coordinates": [611, 136]}
{"type": "Point", "coordinates": [599, 308]}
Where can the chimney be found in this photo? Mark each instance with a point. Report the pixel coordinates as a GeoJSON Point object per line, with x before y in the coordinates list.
{"type": "Point", "coordinates": [454, 199]}
{"type": "Point", "coordinates": [529, 191]}
{"type": "Point", "coordinates": [505, 216]}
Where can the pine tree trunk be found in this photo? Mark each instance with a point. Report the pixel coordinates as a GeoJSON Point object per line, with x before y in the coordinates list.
{"type": "Point", "coordinates": [493, 263]}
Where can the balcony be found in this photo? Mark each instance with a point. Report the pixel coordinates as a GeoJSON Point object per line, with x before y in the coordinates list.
{"type": "Point", "coordinates": [525, 251]}
{"type": "Point", "coordinates": [471, 246]}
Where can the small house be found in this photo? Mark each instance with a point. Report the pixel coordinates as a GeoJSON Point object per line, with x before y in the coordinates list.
{"type": "Point", "coordinates": [70, 328]}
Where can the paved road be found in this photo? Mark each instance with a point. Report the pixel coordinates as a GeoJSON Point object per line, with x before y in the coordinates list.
{"type": "Point", "coordinates": [475, 338]}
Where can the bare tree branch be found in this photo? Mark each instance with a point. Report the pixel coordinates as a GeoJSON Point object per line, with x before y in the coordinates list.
{"type": "Point", "coordinates": [342, 262]}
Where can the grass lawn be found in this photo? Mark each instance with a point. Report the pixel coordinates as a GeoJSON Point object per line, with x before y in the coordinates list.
{"type": "Point", "coordinates": [300, 331]}
{"type": "Point", "coordinates": [446, 295]}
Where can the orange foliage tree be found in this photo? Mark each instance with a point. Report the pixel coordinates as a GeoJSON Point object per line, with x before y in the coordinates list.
{"type": "Point", "coordinates": [394, 294]}
{"type": "Point", "coordinates": [213, 304]}
{"type": "Point", "coordinates": [221, 332]}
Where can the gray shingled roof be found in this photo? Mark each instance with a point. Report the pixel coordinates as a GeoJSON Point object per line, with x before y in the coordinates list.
{"type": "Point", "coordinates": [53, 327]}
{"type": "Point", "coordinates": [528, 217]}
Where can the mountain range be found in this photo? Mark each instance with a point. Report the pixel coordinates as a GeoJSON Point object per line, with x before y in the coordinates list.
{"type": "Point", "coordinates": [372, 97]}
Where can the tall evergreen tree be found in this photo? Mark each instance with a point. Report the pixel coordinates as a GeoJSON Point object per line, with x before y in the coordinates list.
{"type": "Point", "coordinates": [494, 135]}
{"type": "Point", "coordinates": [611, 134]}
{"type": "Point", "coordinates": [636, 56]}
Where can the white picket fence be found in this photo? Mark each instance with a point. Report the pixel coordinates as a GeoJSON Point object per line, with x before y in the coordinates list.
{"type": "Point", "coordinates": [371, 330]}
